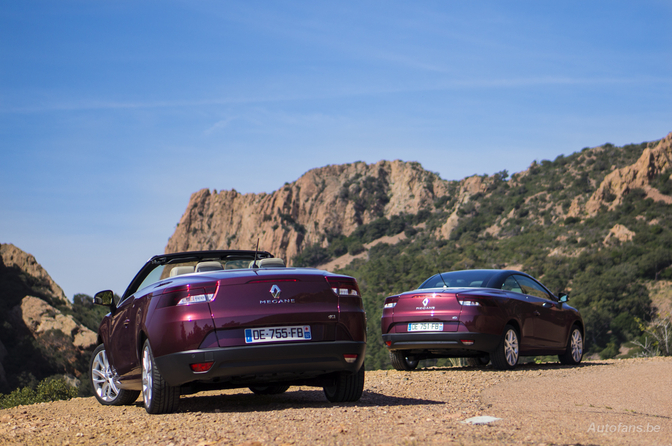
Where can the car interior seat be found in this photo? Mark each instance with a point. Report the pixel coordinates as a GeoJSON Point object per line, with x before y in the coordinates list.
{"type": "Point", "coordinates": [208, 266]}
{"type": "Point", "coordinates": [179, 270]}
{"type": "Point", "coordinates": [269, 263]}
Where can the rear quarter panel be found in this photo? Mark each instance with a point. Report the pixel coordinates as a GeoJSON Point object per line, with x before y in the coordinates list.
{"type": "Point", "coordinates": [176, 328]}
{"type": "Point", "coordinates": [491, 316]}
{"type": "Point", "coordinates": [503, 308]}
{"type": "Point", "coordinates": [352, 318]}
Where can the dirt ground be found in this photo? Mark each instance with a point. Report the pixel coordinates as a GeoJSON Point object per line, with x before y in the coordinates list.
{"type": "Point", "coordinates": [625, 402]}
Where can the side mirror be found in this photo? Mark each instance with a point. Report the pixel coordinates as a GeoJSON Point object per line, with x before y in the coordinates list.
{"type": "Point", "coordinates": [105, 298]}
{"type": "Point", "coordinates": [564, 298]}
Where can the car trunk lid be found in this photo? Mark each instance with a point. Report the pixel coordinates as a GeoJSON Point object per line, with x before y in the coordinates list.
{"type": "Point", "coordinates": [274, 299]}
{"type": "Point", "coordinates": [431, 306]}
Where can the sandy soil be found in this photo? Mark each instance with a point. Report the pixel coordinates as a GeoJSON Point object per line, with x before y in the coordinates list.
{"type": "Point", "coordinates": [603, 402]}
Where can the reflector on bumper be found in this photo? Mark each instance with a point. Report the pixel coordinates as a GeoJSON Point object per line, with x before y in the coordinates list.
{"type": "Point", "coordinates": [201, 367]}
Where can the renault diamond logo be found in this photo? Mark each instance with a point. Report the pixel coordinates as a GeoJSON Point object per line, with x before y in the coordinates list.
{"type": "Point", "coordinates": [275, 291]}
{"type": "Point", "coordinates": [424, 302]}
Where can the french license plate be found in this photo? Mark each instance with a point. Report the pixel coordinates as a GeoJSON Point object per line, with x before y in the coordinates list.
{"type": "Point", "coordinates": [425, 326]}
{"type": "Point", "coordinates": [277, 334]}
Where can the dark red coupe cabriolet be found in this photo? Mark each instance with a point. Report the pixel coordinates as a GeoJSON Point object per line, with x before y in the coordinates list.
{"type": "Point", "coordinates": [228, 319]}
{"type": "Point", "coordinates": [487, 315]}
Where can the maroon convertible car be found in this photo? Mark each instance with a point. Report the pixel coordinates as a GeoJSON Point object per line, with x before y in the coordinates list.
{"type": "Point", "coordinates": [227, 319]}
{"type": "Point", "coordinates": [487, 315]}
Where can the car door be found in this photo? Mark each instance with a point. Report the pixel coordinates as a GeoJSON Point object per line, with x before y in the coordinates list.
{"type": "Point", "coordinates": [124, 349]}
{"type": "Point", "coordinates": [548, 315]}
{"type": "Point", "coordinates": [121, 348]}
{"type": "Point", "coordinates": [524, 309]}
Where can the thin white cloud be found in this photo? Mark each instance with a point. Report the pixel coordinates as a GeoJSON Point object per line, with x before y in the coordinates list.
{"type": "Point", "coordinates": [346, 91]}
{"type": "Point", "coordinates": [217, 126]}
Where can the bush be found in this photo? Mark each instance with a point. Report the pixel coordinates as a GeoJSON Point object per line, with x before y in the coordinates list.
{"type": "Point", "coordinates": [657, 337]}
{"type": "Point", "coordinates": [313, 255]}
{"type": "Point", "coordinates": [51, 389]}
{"type": "Point", "coordinates": [355, 248]}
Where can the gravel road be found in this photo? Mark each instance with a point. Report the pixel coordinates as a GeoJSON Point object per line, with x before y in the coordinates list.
{"type": "Point", "coordinates": [604, 402]}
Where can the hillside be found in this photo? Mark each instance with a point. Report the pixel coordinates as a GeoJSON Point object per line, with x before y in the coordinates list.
{"type": "Point", "coordinates": [595, 223]}
{"type": "Point", "coordinates": [40, 335]}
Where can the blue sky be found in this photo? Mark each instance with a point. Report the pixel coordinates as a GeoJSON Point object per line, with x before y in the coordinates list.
{"type": "Point", "coordinates": [112, 113]}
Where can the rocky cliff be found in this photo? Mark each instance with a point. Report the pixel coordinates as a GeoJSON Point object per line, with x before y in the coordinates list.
{"type": "Point", "coordinates": [653, 162]}
{"type": "Point", "coordinates": [330, 200]}
{"type": "Point", "coordinates": [37, 336]}
{"type": "Point", "coordinates": [22, 275]}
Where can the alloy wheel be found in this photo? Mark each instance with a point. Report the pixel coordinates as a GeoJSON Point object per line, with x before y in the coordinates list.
{"type": "Point", "coordinates": [103, 378]}
{"type": "Point", "coordinates": [147, 376]}
{"type": "Point", "coordinates": [576, 346]}
{"type": "Point", "coordinates": [511, 347]}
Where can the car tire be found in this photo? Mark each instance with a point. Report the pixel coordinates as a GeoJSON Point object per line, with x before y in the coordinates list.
{"type": "Point", "coordinates": [507, 353]}
{"type": "Point", "coordinates": [157, 395]}
{"type": "Point", "coordinates": [269, 390]}
{"type": "Point", "coordinates": [574, 352]}
{"type": "Point", "coordinates": [104, 382]}
{"type": "Point", "coordinates": [347, 387]}
{"type": "Point", "coordinates": [401, 362]}
{"type": "Point", "coordinates": [478, 361]}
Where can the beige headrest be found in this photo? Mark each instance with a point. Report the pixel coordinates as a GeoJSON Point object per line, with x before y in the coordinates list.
{"type": "Point", "coordinates": [273, 262]}
{"type": "Point", "coordinates": [179, 270]}
{"type": "Point", "coordinates": [209, 266]}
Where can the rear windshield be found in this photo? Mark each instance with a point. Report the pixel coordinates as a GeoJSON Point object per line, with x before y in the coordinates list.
{"type": "Point", "coordinates": [179, 267]}
{"type": "Point", "coordinates": [459, 279]}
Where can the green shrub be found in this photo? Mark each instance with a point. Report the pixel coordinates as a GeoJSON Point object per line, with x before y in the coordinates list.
{"type": "Point", "coordinates": [51, 389]}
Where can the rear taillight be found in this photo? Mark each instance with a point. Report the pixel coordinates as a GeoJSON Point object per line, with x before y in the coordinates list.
{"type": "Point", "coordinates": [342, 286]}
{"type": "Point", "coordinates": [391, 302]}
{"type": "Point", "coordinates": [196, 297]}
{"type": "Point", "coordinates": [188, 295]}
{"type": "Point", "coordinates": [471, 301]}
{"type": "Point", "coordinates": [350, 359]}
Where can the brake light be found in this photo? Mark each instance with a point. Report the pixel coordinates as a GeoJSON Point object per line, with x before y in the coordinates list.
{"type": "Point", "coordinates": [188, 295]}
{"type": "Point", "coordinates": [342, 286]}
{"type": "Point", "coordinates": [195, 298]}
{"type": "Point", "coordinates": [391, 302]}
{"type": "Point", "coordinates": [350, 359]}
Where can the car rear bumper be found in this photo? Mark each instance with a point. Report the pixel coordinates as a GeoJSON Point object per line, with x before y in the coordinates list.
{"type": "Point", "coordinates": [482, 342]}
{"type": "Point", "coordinates": [246, 362]}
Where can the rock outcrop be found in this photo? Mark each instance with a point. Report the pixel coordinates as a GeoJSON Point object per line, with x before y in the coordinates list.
{"type": "Point", "coordinates": [334, 199]}
{"type": "Point", "coordinates": [653, 162]}
{"type": "Point", "coordinates": [20, 275]}
{"type": "Point", "coordinates": [620, 233]}
{"type": "Point", "coordinates": [37, 338]}
{"type": "Point", "coordinates": [40, 317]}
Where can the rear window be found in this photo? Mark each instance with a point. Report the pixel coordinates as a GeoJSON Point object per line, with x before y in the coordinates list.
{"type": "Point", "coordinates": [459, 279]}
{"type": "Point", "coordinates": [190, 266]}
